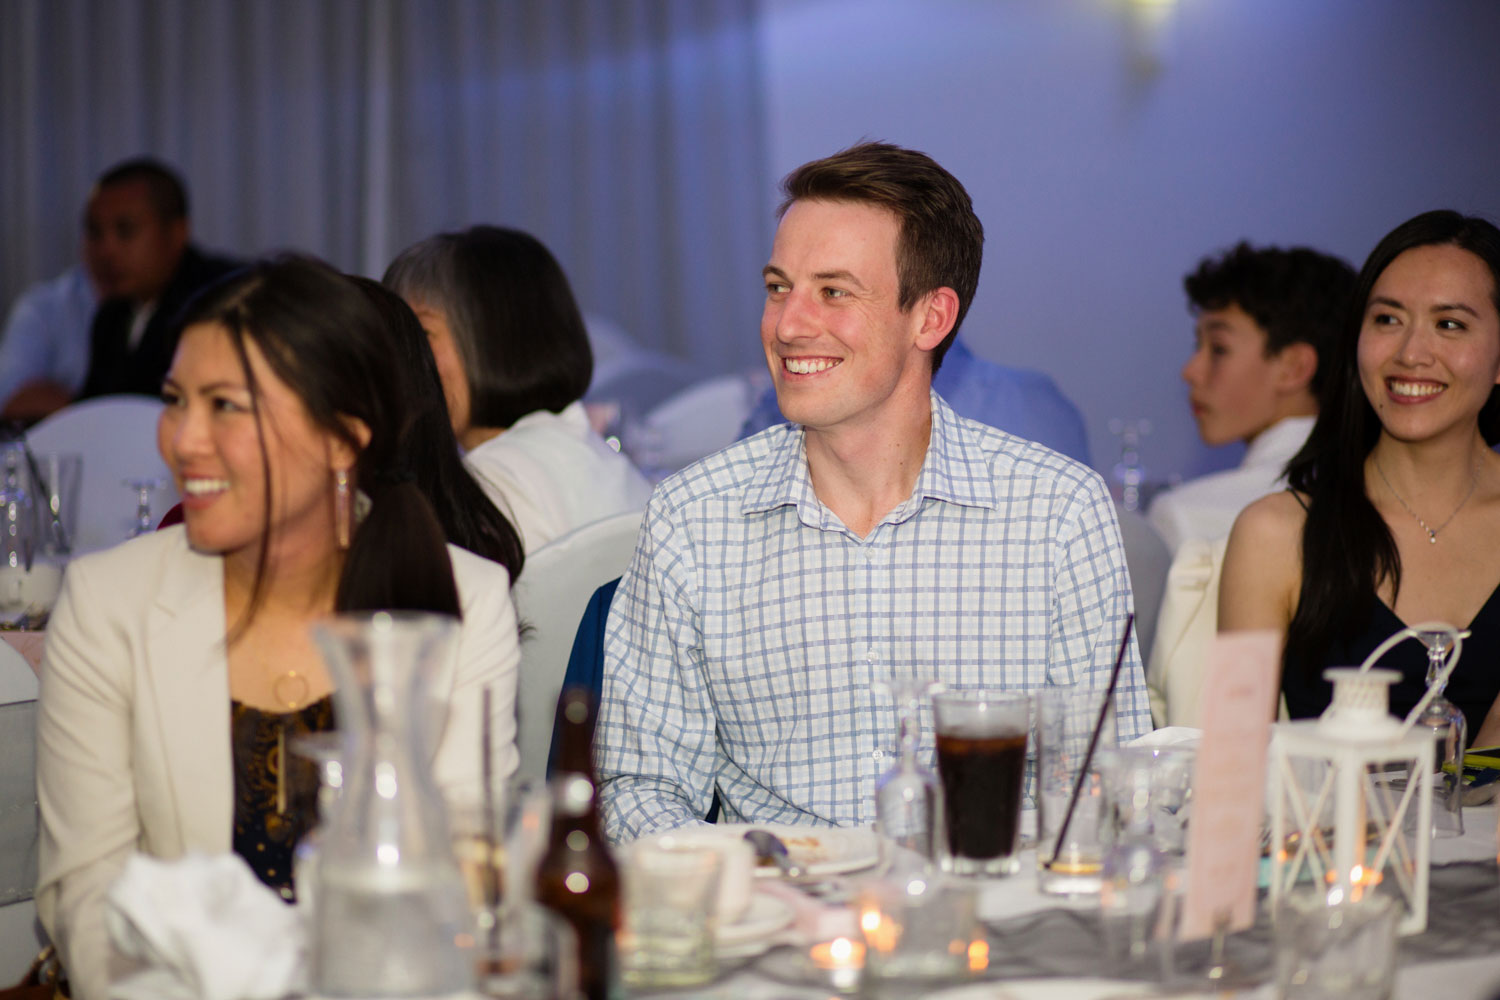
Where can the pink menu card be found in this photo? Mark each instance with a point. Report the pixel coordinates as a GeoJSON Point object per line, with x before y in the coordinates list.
{"type": "Point", "coordinates": [1239, 698]}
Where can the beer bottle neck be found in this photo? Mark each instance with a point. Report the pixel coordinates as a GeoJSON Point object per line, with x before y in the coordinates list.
{"type": "Point", "coordinates": [575, 726]}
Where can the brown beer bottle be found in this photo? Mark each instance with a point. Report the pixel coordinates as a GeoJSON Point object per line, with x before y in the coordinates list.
{"type": "Point", "coordinates": [576, 877]}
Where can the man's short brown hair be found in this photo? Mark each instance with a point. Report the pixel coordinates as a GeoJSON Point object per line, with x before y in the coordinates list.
{"type": "Point", "coordinates": [940, 242]}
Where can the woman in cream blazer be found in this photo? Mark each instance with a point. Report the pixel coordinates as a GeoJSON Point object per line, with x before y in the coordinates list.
{"type": "Point", "coordinates": [148, 644]}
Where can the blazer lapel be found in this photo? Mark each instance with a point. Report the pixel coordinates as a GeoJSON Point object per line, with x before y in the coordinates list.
{"type": "Point", "coordinates": [189, 682]}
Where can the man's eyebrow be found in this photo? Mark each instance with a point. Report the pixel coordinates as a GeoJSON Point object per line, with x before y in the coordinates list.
{"type": "Point", "coordinates": [772, 271]}
{"type": "Point", "coordinates": [844, 276]}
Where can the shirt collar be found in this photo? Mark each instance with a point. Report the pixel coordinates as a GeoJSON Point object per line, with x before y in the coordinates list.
{"type": "Point", "coordinates": [1279, 442]}
{"type": "Point", "coordinates": [954, 470]}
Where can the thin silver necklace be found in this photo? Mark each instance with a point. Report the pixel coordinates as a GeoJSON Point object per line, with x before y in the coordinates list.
{"type": "Point", "coordinates": [1432, 533]}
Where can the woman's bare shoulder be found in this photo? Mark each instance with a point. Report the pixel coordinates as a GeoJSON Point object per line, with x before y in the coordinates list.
{"type": "Point", "coordinates": [1263, 565]}
{"type": "Point", "coordinates": [1274, 517]}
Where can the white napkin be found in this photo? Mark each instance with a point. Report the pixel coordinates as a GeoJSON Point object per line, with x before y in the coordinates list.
{"type": "Point", "coordinates": [203, 928]}
{"type": "Point", "coordinates": [1169, 736]}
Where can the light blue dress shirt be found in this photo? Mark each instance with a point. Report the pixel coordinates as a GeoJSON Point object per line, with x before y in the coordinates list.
{"type": "Point", "coordinates": [745, 636]}
{"type": "Point", "coordinates": [47, 334]}
{"type": "Point", "coordinates": [1018, 401]}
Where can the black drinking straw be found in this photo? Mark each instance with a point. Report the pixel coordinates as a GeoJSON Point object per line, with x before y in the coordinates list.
{"type": "Point", "coordinates": [1088, 757]}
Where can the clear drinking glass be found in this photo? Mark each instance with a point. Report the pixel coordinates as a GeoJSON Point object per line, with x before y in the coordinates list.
{"type": "Point", "coordinates": [143, 523]}
{"type": "Point", "coordinates": [1450, 731]}
{"type": "Point", "coordinates": [671, 892]}
{"type": "Point", "coordinates": [981, 754]}
{"type": "Point", "coordinates": [1328, 950]}
{"type": "Point", "coordinates": [906, 796]}
{"type": "Point", "coordinates": [1135, 870]}
{"type": "Point", "coordinates": [18, 541]}
{"type": "Point", "coordinates": [919, 930]}
{"type": "Point", "coordinates": [1071, 823]}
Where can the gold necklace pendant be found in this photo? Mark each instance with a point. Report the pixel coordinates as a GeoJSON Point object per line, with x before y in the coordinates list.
{"type": "Point", "coordinates": [291, 690]}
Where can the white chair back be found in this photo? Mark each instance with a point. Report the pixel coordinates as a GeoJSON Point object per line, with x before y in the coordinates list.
{"type": "Point", "coordinates": [697, 421]}
{"type": "Point", "coordinates": [19, 933]}
{"type": "Point", "coordinates": [1189, 620]}
{"type": "Point", "coordinates": [1147, 558]}
{"type": "Point", "coordinates": [555, 586]}
{"type": "Point", "coordinates": [116, 435]}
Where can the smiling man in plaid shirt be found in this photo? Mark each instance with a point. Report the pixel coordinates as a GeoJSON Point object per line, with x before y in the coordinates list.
{"type": "Point", "coordinates": [876, 533]}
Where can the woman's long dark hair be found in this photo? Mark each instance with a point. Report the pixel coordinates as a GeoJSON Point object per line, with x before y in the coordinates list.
{"type": "Point", "coordinates": [469, 519]}
{"type": "Point", "coordinates": [1347, 548]}
{"type": "Point", "coordinates": [323, 337]}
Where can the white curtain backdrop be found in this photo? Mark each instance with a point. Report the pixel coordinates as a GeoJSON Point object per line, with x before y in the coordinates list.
{"type": "Point", "coordinates": [626, 134]}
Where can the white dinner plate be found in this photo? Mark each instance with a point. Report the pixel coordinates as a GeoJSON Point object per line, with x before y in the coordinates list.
{"type": "Point", "coordinates": [820, 850]}
{"type": "Point", "coordinates": [752, 933]}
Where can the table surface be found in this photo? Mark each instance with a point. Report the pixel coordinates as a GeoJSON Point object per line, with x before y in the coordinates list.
{"type": "Point", "coordinates": [1473, 976]}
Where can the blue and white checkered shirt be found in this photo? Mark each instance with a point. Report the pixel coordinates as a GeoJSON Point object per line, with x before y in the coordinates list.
{"type": "Point", "coordinates": [747, 632]}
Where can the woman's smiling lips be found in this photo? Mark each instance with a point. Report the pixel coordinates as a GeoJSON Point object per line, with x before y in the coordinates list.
{"type": "Point", "coordinates": [198, 491]}
{"type": "Point", "coordinates": [1408, 391]}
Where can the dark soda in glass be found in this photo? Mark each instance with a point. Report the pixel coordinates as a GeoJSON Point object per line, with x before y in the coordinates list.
{"type": "Point", "coordinates": [982, 779]}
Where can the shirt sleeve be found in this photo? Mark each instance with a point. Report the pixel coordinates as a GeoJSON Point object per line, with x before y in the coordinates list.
{"type": "Point", "coordinates": [1093, 602]}
{"type": "Point", "coordinates": [655, 742]}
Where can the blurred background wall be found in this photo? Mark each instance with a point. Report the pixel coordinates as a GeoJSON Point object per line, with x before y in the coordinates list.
{"type": "Point", "coordinates": [1109, 144]}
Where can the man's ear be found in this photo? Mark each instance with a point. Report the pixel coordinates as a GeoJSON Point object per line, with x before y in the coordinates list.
{"type": "Point", "coordinates": [939, 311]}
{"type": "Point", "coordinates": [1296, 364]}
{"type": "Point", "coordinates": [178, 234]}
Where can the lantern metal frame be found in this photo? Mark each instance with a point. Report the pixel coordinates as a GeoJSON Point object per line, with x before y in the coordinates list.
{"type": "Point", "coordinates": [1358, 745]}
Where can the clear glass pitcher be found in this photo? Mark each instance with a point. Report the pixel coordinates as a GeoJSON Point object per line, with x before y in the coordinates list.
{"type": "Point", "coordinates": [390, 911]}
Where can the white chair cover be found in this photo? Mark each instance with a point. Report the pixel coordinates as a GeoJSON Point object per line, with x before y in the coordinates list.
{"type": "Point", "coordinates": [1188, 623]}
{"type": "Point", "coordinates": [555, 586]}
{"type": "Point", "coordinates": [697, 421]}
{"type": "Point", "coordinates": [19, 933]}
{"type": "Point", "coordinates": [116, 435]}
{"type": "Point", "coordinates": [1147, 558]}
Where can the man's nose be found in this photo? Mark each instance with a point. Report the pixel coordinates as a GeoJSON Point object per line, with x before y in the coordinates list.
{"type": "Point", "coordinates": [1193, 367]}
{"type": "Point", "coordinates": [794, 317]}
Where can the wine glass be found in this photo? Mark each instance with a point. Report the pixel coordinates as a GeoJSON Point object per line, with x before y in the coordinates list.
{"type": "Point", "coordinates": [1450, 730]}
{"type": "Point", "coordinates": [906, 796]}
{"type": "Point", "coordinates": [144, 522]}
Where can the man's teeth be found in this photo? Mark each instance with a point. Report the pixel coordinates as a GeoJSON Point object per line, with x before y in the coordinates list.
{"type": "Point", "coordinates": [1414, 389]}
{"type": "Point", "coordinates": [202, 487]}
{"type": "Point", "coordinates": [798, 366]}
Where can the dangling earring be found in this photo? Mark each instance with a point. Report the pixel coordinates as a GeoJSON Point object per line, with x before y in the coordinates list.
{"type": "Point", "coordinates": [343, 508]}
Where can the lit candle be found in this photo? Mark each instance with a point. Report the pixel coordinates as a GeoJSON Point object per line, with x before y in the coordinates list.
{"type": "Point", "coordinates": [842, 958]}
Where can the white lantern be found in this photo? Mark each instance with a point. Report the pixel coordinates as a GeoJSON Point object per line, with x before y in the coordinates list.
{"type": "Point", "coordinates": [1336, 817]}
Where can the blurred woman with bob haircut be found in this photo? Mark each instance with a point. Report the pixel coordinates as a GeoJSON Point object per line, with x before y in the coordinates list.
{"type": "Point", "coordinates": [514, 358]}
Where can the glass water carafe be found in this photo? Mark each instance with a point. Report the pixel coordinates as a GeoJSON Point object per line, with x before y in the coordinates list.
{"type": "Point", "coordinates": [390, 908]}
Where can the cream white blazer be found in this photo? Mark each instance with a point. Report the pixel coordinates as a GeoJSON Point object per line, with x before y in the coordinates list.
{"type": "Point", "coordinates": [133, 742]}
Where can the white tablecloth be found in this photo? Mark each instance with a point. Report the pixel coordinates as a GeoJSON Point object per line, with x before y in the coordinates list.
{"type": "Point", "coordinates": [1474, 978]}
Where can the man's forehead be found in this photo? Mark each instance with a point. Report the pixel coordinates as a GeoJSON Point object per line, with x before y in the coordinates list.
{"type": "Point", "coordinates": [1227, 319]}
{"type": "Point", "coordinates": [123, 198]}
{"type": "Point", "coordinates": [835, 235]}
